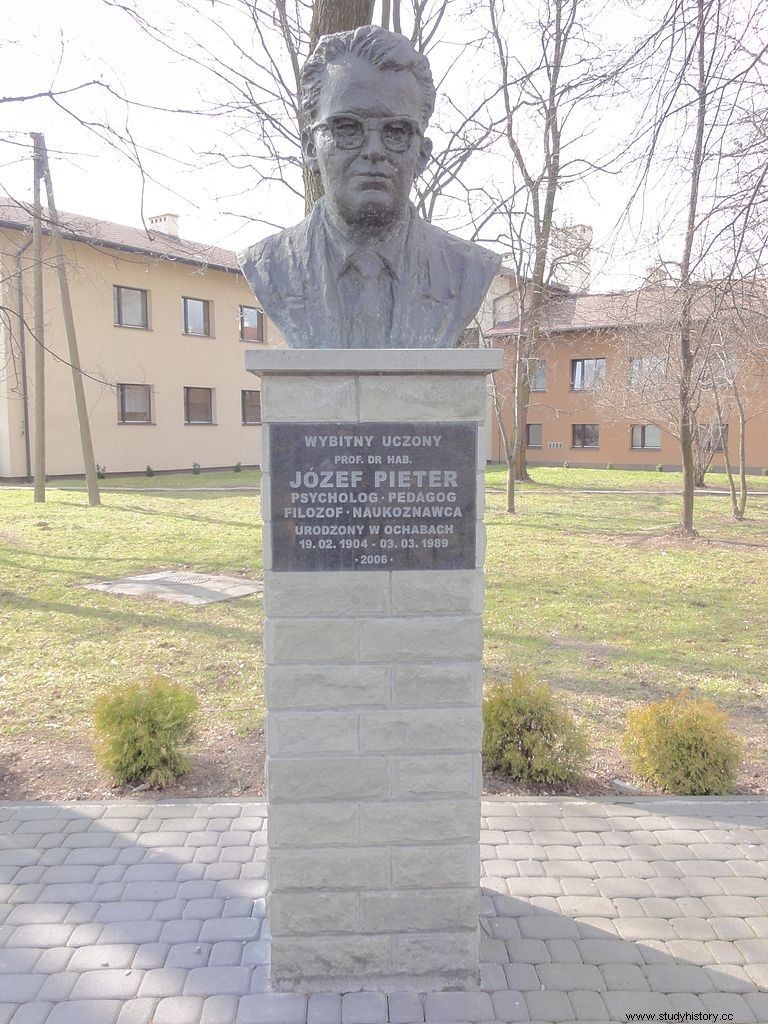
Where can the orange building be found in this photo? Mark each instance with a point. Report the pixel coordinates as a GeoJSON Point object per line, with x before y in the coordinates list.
{"type": "Point", "coordinates": [604, 383]}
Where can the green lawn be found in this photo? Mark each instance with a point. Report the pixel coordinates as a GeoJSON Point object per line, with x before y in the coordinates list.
{"type": "Point", "coordinates": [612, 479]}
{"type": "Point", "coordinates": [589, 590]}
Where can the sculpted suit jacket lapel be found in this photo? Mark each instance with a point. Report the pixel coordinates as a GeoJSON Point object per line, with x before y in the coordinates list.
{"type": "Point", "coordinates": [440, 286]}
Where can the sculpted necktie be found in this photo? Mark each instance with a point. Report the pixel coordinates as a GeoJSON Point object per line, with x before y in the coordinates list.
{"type": "Point", "coordinates": [370, 320]}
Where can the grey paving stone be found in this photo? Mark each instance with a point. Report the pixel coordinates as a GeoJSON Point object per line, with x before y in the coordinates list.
{"type": "Point", "coordinates": [89, 1011]}
{"type": "Point", "coordinates": [549, 1006]}
{"type": "Point", "coordinates": [137, 1011]}
{"type": "Point", "coordinates": [564, 977]}
{"type": "Point", "coordinates": [89, 958]}
{"type": "Point", "coordinates": [758, 973]}
{"type": "Point", "coordinates": [458, 1006]}
{"type": "Point", "coordinates": [50, 961]}
{"type": "Point", "coordinates": [609, 951]}
{"type": "Point", "coordinates": [758, 1004]}
{"type": "Point", "coordinates": [163, 982]}
{"type": "Point", "coordinates": [22, 987]}
{"type": "Point", "coordinates": [272, 1008]}
{"type": "Point", "coordinates": [178, 1010]}
{"type": "Point", "coordinates": [624, 977]}
{"type": "Point", "coordinates": [219, 1010]}
{"type": "Point", "coordinates": [722, 1003]}
{"type": "Point", "coordinates": [364, 1008]}
{"type": "Point", "coordinates": [37, 913]}
{"type": "Point", "coordinates": [588, 1006]}
{"type": "Point", "coordinates": [211, 981]}
{"type": "Point", "coordinates": [39, 935]}
{"type": "Point", "coordinates": [678, 978]}
{"type": "Point", "coordinates": [522, 977]}
{"type": "Point", "coordinates": [510, 1006]}
{"type": "Point", "coordinates": [548, 926]}
{"type": "Point", "coordinates": [527, 951]}
{"type": "Point", "coordinates": [621, 1004]}
{"type": "Point", "coordinates": [150, 955]}
{"type": "Point", "coordinates": [107, 984]}
{"type": "Point", "coordinates": [564, 951]}
{"type": "Point", "coordinates": [404, 1008]}
{"type": "Point", "coordinates": [492, 977]}
{"type": "Point", "coordinates": [225, 954]}
{"type": "Point", "coordinates": [32, 1013]}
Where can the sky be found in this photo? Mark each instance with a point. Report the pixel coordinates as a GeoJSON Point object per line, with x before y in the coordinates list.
{"type": "Point", "coordinates": [55, 44]}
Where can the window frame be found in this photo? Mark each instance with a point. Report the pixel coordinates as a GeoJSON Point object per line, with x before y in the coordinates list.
{"type": "Point", "coordinates": [261, 339]}
{"type": "Point", "coordinates": [536, 365]}
{"type": "Point", "coordinates": [597, 379]}
{"type": "Point", "coordinates": [117, 307]}
{"type": "Point", "coordinates": [199, 423]}
{"type": "Point", "coordinates": [246, 422]}
{"type": "Point", "coordinates": [121, 419]}
{"type": "Point", "coordinates": [643, 447]}
{"type": "Point", "coordinates": [207, 319]}
{"type": "Point", "coordinates": [582, 427]}
{"type": "Point", "coordinates": [528, 443]}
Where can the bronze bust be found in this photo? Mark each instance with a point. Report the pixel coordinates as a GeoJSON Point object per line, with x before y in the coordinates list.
{"type": "Point", "coordinates": [363, 270]}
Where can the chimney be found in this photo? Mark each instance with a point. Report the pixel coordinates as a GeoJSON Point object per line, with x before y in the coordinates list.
{"type": "Point", "coordinates": [571, 256]}
{"type": "Point", "coordinates": [166, 224]}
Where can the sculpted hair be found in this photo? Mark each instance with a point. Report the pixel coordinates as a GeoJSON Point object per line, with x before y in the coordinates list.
{"type": "Point", "coordinates": [386, 50]}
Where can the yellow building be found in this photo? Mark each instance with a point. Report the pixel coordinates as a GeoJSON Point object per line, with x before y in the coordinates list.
{"type": "Point", "coordinates": [162, 326]}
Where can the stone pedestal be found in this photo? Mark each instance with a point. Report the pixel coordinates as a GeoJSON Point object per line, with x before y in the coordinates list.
{"type": "Point", "coordinates": [373, 678]}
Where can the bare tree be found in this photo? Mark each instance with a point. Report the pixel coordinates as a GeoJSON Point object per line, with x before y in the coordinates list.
{"type": "Point", "coordinates": [702, 65]}
{"type": "Point", "coordinates": [546, 92]}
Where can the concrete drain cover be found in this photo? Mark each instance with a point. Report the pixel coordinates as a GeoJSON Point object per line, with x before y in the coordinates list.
{"type": "Point", "coordinates": [181, 587]}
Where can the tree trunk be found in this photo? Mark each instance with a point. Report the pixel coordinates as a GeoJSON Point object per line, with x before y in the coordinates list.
{"type": "Point", "coordinates": [521, 463]}
{"type": "Point", "coordinates": [330, 16]}
{"type": "Point", "coordinates": [39, 331]}
{"type": "Point", "coordinates": [742, 502]}
{"type": "Point", "coordinates": [89, 463]}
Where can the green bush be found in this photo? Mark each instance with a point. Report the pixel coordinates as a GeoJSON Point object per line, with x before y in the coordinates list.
{"type": "Point", "coordinates": [609, 465]}
{"type": "Point", "coordinates": [101, 472]}
{"type": "Point", "coordinates": [566, 464]}
{"type": "Point", "coordinates": [196, 468]}
{"type": "Point", "coordinates": [238, 467]}
{"type": "Point", "coordinates": [140, 730]}
{"type": "Point", "coordinates": [683, 745]}
{"type": "Point", "coordinates": [149, 471]}
{"type": "Point", "coordinates": [660, 468]}
{"type": "Point", "coordinates": [528, 735]}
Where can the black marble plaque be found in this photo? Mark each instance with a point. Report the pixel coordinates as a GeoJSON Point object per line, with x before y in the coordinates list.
{"type": "Point", "coordinates": [373, 496]}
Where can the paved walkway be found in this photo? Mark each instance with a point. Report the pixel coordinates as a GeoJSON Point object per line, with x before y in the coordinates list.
{"type": "Point", "coordinates": [153, 913]}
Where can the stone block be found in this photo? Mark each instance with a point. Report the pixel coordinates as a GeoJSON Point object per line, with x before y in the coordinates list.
{"type": "Point", "coordinates": [311, 732]}
{"type": "Point", "coordinates": [419, 593]}
{"type": "Point", "coordinates": [430, 866]}
{"type": "Point", "coordinates": [272, 1008]}
{"type": "Point", "coordinates": [364, 1008]}
{"type": "Point", "coordinates": [286, 399]}
{"type": "Point", "coordinates": [313, 824]}
{"type": "Point", "coordinates": [454, 1006]}
{"type": "Point", "coordinates": [299, 958]}
{"type": "Point", "coordinates": [421, 731]}
{"type": "Point", "coordinates": [310, 641]}
{"type": "Point", "coordinates": [434, 396]}
{"type": "Point", "coordinates": [437, 776]}
{"type": "Point", "coordinates": [311, 913]}
{"type": "Point", "coordinates": [420, 911]}
{"type": "Point", "coordinates": [433, 685]}
{"type": "Point", "coordinates": [327, 778]}
{"type": "Point", "coordinates": [424, 954]}
{"type": "Point", "coordinates": [451, 638]}
{"type": "Point", "coordinates": [332, 686]}
{"type": "Point", "coordinates": [447, 821]}
{"type": "Point", "coordinates": [356, 868]}
{"type": "Point", "coordinates": [327, 593]}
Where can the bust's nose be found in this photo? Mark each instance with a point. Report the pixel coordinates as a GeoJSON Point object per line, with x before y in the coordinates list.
{"type": "Point", "coordinates": [373, 148]}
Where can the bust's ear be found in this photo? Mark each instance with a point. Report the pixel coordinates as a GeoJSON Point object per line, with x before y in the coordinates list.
{"type": "Point", "coordinates": [425, 152]}
{"type": "Point", "coordinates": [309, 149]}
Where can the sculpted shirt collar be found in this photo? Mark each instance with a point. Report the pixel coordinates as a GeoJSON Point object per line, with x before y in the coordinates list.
{"type": "Point", "coordinates": [341, 251]}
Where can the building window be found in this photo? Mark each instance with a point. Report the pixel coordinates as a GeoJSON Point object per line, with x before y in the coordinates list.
{"type": "Point", "coordinates": [587, 374]}
{"type": "Point", "coordinates": [585, 435]}
{"type": "Point", "coordinates": [251, 324]}
{"type": "Point", "coordinates": [197, 317]}
{"type": "Point", "coordinates": [537, 374]}
{"type": "Point", "coordinates": [251, 406]}
{"type": "Point", "coordinates": [198, 405]}
{"type": "Point", "coordinates": [533, 435]}
{"type": "Point", "coordinates": [646, 370]}
{"type": "Point", "coordinates": [129, 306]}
{"type": "Point", "coordinates": [134, 403]}
{"type": "Point", "coordinates": [646, 436]}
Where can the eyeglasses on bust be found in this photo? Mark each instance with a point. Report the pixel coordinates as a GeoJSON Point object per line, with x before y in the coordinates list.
{"type": "Point", "coordinates": [349, 131]}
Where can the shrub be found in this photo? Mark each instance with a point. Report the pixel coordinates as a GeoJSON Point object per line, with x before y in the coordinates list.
{"type": "Point", "coordinates": [140, 730]}
{"type": "Point", "coordinates": [660, 468]}
{"type": "Point", "coordinates": [101, 472]}
{"type": "Point", "coordinates": [528, 735]}
{"type": "Point", "coordinates": [196, 468]}
{"type": "Point", "coordinates": [149, 471]}
{"type": "Point", "coordinates": [610, 465]}
{"type": "Point", "coordinates": [683, 745]}
{"type": "Point", "coordinates": [566, 464]}
{"type": "Point", "coordinates": [238, 467]}
{"type": "Point", "coordinates": [765, 471]}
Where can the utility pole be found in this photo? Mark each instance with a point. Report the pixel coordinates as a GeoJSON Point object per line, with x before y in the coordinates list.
{"type": "Point", "coordinates": [39, 326]}
{"type": "Point", "coordinates": [94, 498]}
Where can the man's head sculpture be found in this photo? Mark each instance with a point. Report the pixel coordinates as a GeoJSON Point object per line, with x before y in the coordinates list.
{"type": "Point", "coordinates": [363, 269]}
